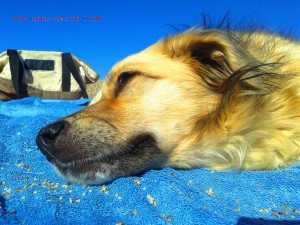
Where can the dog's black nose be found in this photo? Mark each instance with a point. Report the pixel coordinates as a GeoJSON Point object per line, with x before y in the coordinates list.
{"type": "Point", "coordinates": [47, 136]}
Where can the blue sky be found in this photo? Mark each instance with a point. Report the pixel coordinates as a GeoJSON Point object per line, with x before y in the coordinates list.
{"type": "Point", "coordinates": [123, 27]}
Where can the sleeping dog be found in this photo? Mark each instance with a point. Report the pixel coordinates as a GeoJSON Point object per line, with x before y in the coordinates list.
{"type": "Point", "coordinates": [202, 98]}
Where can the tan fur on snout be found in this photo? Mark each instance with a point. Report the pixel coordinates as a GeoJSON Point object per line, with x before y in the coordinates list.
{"type": "Point", "coordinates": [208, 98]}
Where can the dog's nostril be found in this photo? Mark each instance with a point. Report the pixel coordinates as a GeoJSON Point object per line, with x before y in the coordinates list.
{"type": "Point", "coordinates": [48, 135]}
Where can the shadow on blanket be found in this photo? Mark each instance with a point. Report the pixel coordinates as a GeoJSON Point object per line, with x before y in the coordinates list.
{"type": "Point", "coordinates": [32, 193]}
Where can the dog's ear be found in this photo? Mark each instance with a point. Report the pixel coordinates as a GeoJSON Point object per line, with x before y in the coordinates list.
{"type": "Point", "coordinates": [216, 57]}
{"type": "Point", "coordinates": [210, 48]}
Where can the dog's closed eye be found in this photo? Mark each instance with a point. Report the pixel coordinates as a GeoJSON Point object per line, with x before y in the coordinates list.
{"type": "Point", "coordinates": [123, 80]}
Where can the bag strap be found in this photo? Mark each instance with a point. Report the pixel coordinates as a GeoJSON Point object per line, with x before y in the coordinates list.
{"type": "Point", "coordinates": [68, 62]}
{"type": "Point", "coordinates": [16, 69]}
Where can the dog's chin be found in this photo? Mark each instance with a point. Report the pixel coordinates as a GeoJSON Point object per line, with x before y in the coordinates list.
{"type": "Point", "coordinates": [94, 171]}
{"type": "Point", "coordinates": [87, 174]}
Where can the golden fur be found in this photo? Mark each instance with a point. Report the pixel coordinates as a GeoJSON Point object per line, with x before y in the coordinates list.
{"type": "Point", "coordinates": [209, 98]}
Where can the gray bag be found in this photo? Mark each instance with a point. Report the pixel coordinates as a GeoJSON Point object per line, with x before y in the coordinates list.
{"type": "Point", "coordinates": [47, 75]}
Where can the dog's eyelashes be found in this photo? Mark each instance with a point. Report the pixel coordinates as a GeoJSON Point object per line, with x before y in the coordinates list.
{"type": "Point", "coordinates": [123, 80]}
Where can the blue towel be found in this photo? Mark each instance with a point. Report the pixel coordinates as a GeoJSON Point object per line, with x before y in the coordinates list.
{"type": "Point", "coordinates": [32, 193]}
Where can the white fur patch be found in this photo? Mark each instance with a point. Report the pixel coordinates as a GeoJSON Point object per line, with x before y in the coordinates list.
{"type": "Point", "coordinates": [97, 98]}
{"type": "Point", "coordinates": [89, 177]}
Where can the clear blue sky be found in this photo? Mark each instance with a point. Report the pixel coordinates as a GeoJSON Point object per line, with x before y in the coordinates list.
{"type": "Point", "coordinates": [127, 27]}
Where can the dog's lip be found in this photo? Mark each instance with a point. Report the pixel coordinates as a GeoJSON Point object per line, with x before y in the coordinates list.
{"type": "Point", "coordinates": [108, 158]}
{"type": "Point", "coordinates": [42, 146]}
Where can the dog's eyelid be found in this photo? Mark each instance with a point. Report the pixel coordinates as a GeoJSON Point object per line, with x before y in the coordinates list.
{"type": "Point", "coordinates": [125, 76]}
{"type": "Point", "coordinates": [123, 79]}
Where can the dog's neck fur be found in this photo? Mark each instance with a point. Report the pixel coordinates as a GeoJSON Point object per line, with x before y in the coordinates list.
{"type": "Point", "coordinates": [271, 141]}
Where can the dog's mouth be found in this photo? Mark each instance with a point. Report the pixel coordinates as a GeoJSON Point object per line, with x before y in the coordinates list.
{"type": "Point", "coordinates": [138, 154]}
{"type": "Point", "coordinates": [126, 151]}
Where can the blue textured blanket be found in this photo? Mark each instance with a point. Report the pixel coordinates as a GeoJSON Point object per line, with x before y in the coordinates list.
{"type": "Point", "coordinates": [32, 193]}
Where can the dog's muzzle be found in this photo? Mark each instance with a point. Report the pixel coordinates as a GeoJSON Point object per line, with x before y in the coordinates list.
{"type": "Point", "coordinates": [92, 155]}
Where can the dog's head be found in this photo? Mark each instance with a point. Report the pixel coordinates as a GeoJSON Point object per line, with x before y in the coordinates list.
{"type": "Point", "coordinates": [155, 107]}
